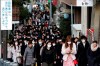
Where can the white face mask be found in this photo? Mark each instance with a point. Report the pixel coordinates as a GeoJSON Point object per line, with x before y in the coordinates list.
{"type": "Point", "coordinates": [60, 40]}
{"type": "Point", "coordinates": [69, 42]}
{"type": "Point", "coordinates": [40, 42]}
{"type": "Point", "coordinates": [83, 41]}
{"type": "Point", "coordinates": [54, 44]}
{"type": "Point", "coordinates": [25, 42]}
{"type": "Point", "coordinates": [33, 42]}
{"type": "Point", "coordinates": [16, 43]}
{"type": "Point", "coordinates": [49, 45]}
{"type": "Point", "coordinates": [47, 36]}
{"type": "Point", "coordinates": [15, 39]}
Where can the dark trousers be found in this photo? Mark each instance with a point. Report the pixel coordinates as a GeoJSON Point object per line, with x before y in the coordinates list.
{"type": "Point", "coordinates": [58, 62]}
{"type": "Point", "coordinates": [10, 59]}
{"type": "Point", "coordinates": [46, 64]}
{"type": "Point", "coordinates": [82, 64]}
{"type": "Point", "coordinates": [38, 62]}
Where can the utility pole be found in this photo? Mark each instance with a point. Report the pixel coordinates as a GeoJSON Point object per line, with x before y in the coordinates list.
{"type": "Point", "coordinates": [4, 43]}
{"type": "Point", "coordinates": [71, 19]}
{"type": "Point", "coordinates": [50, 12]}
{"type": "Point", "coordinates": [71, 14]}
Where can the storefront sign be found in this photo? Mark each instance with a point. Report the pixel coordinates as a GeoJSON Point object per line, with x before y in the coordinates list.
{"type": "Point", "coordinates": [84, 3]}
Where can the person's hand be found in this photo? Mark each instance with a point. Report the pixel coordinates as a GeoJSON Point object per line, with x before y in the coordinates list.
{"type": "Point", "coordinates": [70, 51]}
{"type": "Point", "coordinates": [23, 59]}
{"type": "Point", "coordinates": [54, 62]}
{"type": "Point", "coordinates": [58, 57]}
{"type": "Point", "coordinates": [35, 59]}
{"type": "Point", "coordinates": [41, 64]}
{"type": "Point", "coordinates": [61, 61]}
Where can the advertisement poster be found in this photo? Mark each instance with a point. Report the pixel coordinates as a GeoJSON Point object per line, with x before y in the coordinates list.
{"type": "Point", "coordinates": [6, 14]}
{"type": "Point", "coordinates": [85, 3]}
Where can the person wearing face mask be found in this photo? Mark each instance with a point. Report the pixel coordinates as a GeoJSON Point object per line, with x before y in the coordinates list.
{"type": "Point", "coordinates": [33, 43]}
{"type": "Point", "coordinates": [48, 55]}
{"type": "Point", "coordinates": [41, 50]}
{"type": "Point", "coordinates": [9, 53]}
{"type": "Point", "coordinates": [26, 42]}
{"type": "Point", "coordinates": [37, 48]}
{"type": "Point", "coordinates": [93, 54]}
{"type": "Point", "coordinates": [23, 47]}
{"type": "Point", "coordinates": [68, 51]}
{"type": "Point", "coordinates": [55, 51]}
{"type": "Point", "coordinates": [16, 51]}
{"type": "Point", "coordinates": [82, 51]}
{"type": "Point", "coordinates": [29, 55]}
{"type": "Point", "coordinates": [58, 53]}
{"type": "Point", "coordinates": [76, 41]}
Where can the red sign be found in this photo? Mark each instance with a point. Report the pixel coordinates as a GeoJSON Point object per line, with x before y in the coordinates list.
{"type": "Point", "coordinates": [55, 2]}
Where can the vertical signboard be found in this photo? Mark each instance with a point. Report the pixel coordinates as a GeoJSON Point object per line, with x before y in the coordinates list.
{"type": "Point", "coordinates": [84, 3]}
{"type": "Point", "coordinates": [6, 14]}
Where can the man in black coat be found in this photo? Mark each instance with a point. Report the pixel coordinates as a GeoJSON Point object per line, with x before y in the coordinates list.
{"type": "Point", "coordinates": [82, 51]}
{"type": "Point", "coordinates": [37, 48]}
{"type": "Point", "coordinates": [58, 53]}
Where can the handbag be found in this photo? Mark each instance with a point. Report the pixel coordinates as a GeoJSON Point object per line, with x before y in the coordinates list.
{"type": "Point", "coordinates": [75, 62]}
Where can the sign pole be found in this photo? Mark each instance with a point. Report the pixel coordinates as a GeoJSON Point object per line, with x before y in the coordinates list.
{"type": "Point", "coordinates": [72, 19]}
{"type": "Point", "coordinates": [50, 12]}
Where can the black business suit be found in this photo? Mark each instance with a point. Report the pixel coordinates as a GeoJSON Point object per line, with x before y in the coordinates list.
{"type": "Point", "coordinates": [82, 54]}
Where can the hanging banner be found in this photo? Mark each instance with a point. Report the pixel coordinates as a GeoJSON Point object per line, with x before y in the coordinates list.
{"type": "Point", "coordinates": [6, 14]}
{"type": "Point", "coordinates": [84, 3]}
{"type": "Point", "coordinates": [55, 2]}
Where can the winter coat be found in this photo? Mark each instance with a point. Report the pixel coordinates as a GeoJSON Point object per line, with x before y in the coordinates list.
{"type": "Point", "coordinates": [58, 47]}
{"type": "Point", "coordinates": [93, 56]}
{"type": "Point", "coordinates": [48, 56]}
{"type": "Point", "coordinates": [29, 56]}
{"type": "Point", "coordinates": [82, 54]}
{"type": "Point", "coordinates": [65, 52]}
{"type": "Point", "coordinates": [37, 48]}
{"type": "Point", "coordinates": [9, 52]}
{"type": "Point", "coordinates": [16, 53]}
{"type": "Point", "coordinates": [23, 47]}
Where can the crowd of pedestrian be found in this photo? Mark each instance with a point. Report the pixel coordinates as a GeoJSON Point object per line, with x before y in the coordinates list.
{"type": "Point", "coordinates": [39, 44]}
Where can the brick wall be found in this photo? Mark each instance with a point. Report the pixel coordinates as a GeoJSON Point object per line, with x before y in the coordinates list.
{"type": "Point", "coordinates": [15, 13]}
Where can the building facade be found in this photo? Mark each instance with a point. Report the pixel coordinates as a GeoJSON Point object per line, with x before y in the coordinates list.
{"type": "Point", "coordinates": [95, 21]}
{"type": "Point", "coordinates": [81, 14]}
{"type": "Point", "coordinates": [15, 13]}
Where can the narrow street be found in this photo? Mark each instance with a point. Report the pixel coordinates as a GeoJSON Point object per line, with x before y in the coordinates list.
{"type": "Point", "coordinates": [51, 33]}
